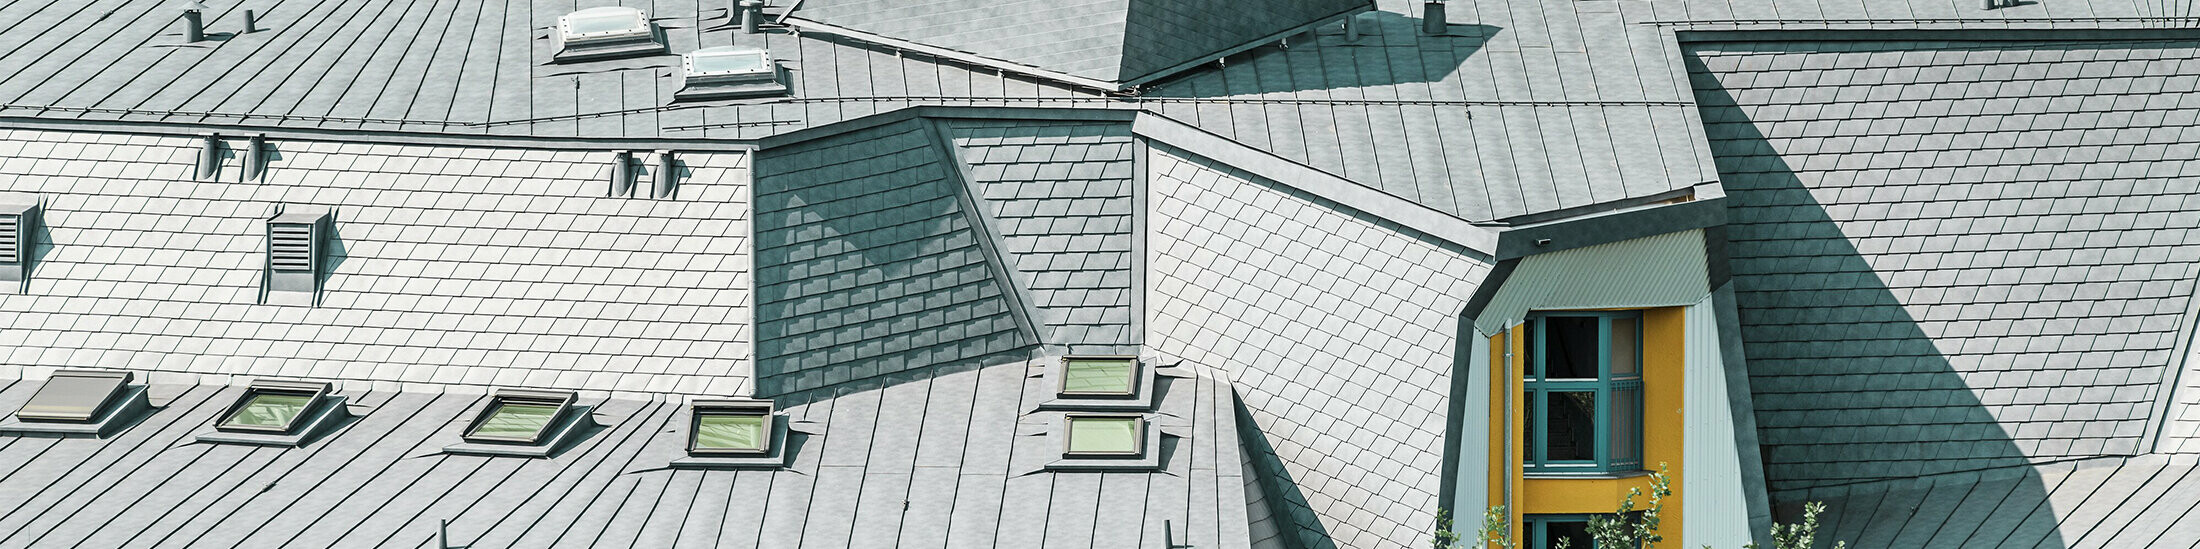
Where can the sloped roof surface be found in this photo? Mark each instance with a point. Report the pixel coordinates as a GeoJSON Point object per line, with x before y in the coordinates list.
{"type": "Point", "coordinates": [2142, 501]}
{"type": "Point", "coordinates": [451, 265]}
{"type": "Point", "coordinates": [867, 263]}
{"type": "Point", "coordinates": [1106, 40]}
{"type": "Point", "coordinates": [1061, 199]}
{"type": "Point", "coordinates": [1952, 256]}
{"type": "Point", "coordinates": [945, 458]}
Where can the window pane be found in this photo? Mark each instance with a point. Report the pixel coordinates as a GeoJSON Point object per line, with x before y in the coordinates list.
{"type": "Point", "coordinates": [1528, 420]}
{"type": "Point", "coordinates": [517, 420]}
{"type": "Point", "coordinates": [1098, 375]}
{"type": "Point", "coordinates": [270, 410]}
{"type": "Point", "coordinates": [1625, 347]}
{"type": "Point", "coordinates": [1578, 531]}
{"type": "Point", "coordinates": [729, 62]}
{"type": "Point", "coordinates": [1570, 347]}
{"type": "Point", "coordinates": [1106, 435]}
{"type": "Point", "coordinates": [605, 22]}
{"type": "Point", "coordinates": [1627, 426]}
{"type": "Point", "coordinates": [1573, 429]}
{"type": "Point", "coordinates": [1527, 341]}
{"type": "Point", "coordinates": [731, 432]}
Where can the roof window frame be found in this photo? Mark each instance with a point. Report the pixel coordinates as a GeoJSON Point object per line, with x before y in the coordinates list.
{"type": "Point", "coordinates": [1138, 434]}
{"type": "Point", "coordinates": [313, 391]}
{"type": "Point", "coordinates": [119, 389]}
{"type": "Point", "coordinates": [565, 402]}
{"type": "Point", "coordinates": [643, 26]}
{"type": "Point", "coordinates": [1144, 383]}
{"type": "Point", "coordinates": [700, 408]}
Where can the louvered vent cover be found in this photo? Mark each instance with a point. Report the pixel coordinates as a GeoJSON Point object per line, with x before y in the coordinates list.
{"type": "Point", "coordinates": [11, 236]}
{"type": "Point", "coordinates": [291, 246]}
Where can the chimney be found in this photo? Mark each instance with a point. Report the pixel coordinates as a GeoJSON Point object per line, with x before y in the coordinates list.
{"type": "Point", "coordinates": [1432, 18]}
{"type": "Point", "coordinates": [752, 14]}
{"type": "Point", "coordinates": [194, 30]}
{"type": "Point", "coordinates": [661, 185]}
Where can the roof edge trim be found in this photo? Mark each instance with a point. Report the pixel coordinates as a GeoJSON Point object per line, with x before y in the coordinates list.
{"type": "Point", "coordinates": [1608, 227]}
{"type": "Point", "coordinates": [806, 25]}
{"type": "Point", "coordinates": [935, 111]}
{"type": "Point", "coordinates": [1373, 201]}
{"type": "Point", "coordinates": [2172, 381]}
{"type": "Point", "coordinates": [506, 141]}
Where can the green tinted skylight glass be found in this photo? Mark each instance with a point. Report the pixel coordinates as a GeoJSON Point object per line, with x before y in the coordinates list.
{"type": "Point", "coordinates": [516, 421]}
{"type": "Point", "coordinates": [1098, 376]}
{"type": "Point", "coordinates": [1104, 435]}
{"type": "Point", "coordinates": [732, 432]}
{"type": "Point", "coordinates": [270, 410]}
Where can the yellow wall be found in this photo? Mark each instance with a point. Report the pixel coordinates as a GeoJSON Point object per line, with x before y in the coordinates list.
{"type": "Point", "coordinates": [1663, 359]}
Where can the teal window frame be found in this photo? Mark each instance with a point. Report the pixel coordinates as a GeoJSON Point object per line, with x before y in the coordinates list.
{"type": "Point", "coordinates": [1609, 389]}
{"type": "Point", "coordinates": [1535, 531]}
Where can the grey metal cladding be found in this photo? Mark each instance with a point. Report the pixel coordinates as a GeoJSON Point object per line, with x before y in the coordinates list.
{"type": "Point", "coordinates": [2140, 501]}
{"type": "Point", "coordinates": [379, 481]}
{"type": "Point", "coordinates": [866, 264]}
{"type": "Point", "coordinates": [1105, 40]}
{"type": "Point", "coordinates": [1950, 256]}
{"type": "Point", "coordinates": [1060, 197]}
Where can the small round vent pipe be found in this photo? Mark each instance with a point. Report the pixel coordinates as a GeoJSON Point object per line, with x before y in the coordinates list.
{"type": "Point", "coordinates": [1432, 18]}
{"type": "Point", "coordinates": [194, 30]}
{"type": "Point", "coordinates": [661, 185]}
{"type": "Point", "coordinates": [622, 173]}
{"type": "Point", "coordinates": [752, 11]}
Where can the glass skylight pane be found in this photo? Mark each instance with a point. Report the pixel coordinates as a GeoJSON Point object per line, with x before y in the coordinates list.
{"type": "Point", "coordinates": [731, 432]}
{"type": "Point", "coordinates": [516, 420]}
{"type": "Point", "coordinates": [270, 410]}
{"type": "Point", "coordinates": [1098, 376]}
{"type": "Point", "coordinates": [604, 22]}
{"type": "Point", "coordinates": [70, 398]}
{"type": "Point", "coordinates": [729, 62]}
{"type": "Point", "coordinates": [1103, 435]}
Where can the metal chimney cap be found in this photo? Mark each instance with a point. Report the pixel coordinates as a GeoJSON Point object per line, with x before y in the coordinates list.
{"type": "Point", "coordinates": [192, 5]}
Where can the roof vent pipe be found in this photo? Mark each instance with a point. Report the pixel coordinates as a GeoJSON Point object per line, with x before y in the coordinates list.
{"type": "Point", "coordinates": [1352, 28]}
{"type": "Point", "coordinates": [661, 185]}
{"type": "Point", "coordinates": [194, 30]}
{"type": "Point", "coordinates": [752, 11]}
{"type": "Point", "coordinates": [255, 157]}
{"type": "Point", "coordinates": [622, 173]}
{"type": "Point", "coordinates": [1432, 18]}
{"type": "Point", "coordinates": [210, 159]}
{"type": "Point", "coordinates": [251, 22]}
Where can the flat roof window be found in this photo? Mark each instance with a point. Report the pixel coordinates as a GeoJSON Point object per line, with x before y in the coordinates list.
{"type": "Point", "coordinates": [603, 23]}
{"type": "Point", "coordinates": [74, 396]}
{"type": "Point", "coordinates": [518, 417]}
{"type": "Point", "coordinates": [727, 61]}
{"type": "Point", "coordinates": [1099, 376]}
{"type": "Point", "coordinates": [1105, 435]}
{"type": "Point", "coordinates": [730, 427]}
{"type": "Point", "coordinates": [272, 406]}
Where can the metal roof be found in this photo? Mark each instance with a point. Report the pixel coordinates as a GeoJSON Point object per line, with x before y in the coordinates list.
{"type": "Point", "coordinates": [950, 457]}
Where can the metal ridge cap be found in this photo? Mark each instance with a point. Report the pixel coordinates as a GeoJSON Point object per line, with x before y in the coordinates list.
{"type": "Point", "coordinates": [806, 25]}
{"type": "Point", "coordinates": [393, 137]}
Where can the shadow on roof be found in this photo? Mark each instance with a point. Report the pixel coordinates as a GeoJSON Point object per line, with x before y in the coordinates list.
{"type": "Point", "coordinates": [1849, 389]}
{"type": "Point", "coordinates": [1391, 52]}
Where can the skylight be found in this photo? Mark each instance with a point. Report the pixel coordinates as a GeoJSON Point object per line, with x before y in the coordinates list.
{"type": "Point", "coordinates": [518, 417]}
{"type": "Point", "coordinates": [604, 23]}
{"type": "Point", "coordinates": [1097, 435]}
{"type": "Point", "coordinates": [272, 407]}
{"type": "Point", "coordinates": [1099, 376]}
{"type": "Point", "coordinates": [74, 396]}
{"type": "Point", "coordinates": [728, 63]}
{"type": "Point", "coordinates": [730, 427]}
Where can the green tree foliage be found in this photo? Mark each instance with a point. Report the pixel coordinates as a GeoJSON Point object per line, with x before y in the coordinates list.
{"type": "Point", "coordinates": [1627, 527]}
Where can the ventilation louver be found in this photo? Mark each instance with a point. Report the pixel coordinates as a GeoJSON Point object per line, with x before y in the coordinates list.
{"type": "Point", "coordinates": [295, 242]}
{"type": "Point", "coordinates": [17, 223]}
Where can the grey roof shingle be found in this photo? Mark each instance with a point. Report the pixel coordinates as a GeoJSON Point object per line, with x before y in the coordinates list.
{"type": "Point", "coordinates": [1061, 199]}
{"type": "Point", "coordinates": [1934, 273]}
{"type": "Point", "coordinates": [380, 480]}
